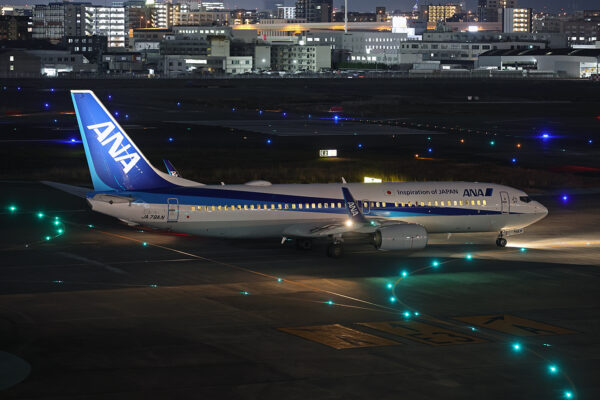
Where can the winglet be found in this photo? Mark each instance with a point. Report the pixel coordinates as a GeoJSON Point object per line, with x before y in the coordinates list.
{"type": "Point", "coordinates": [352, 207]}
{"type": "Point", "coordinates": [170, 168]}
{"type": "Point", "coordinates": [344, 180]}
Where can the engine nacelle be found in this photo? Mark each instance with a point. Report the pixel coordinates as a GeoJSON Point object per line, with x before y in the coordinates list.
{"type": "Point", "coordinates": [400, 237]}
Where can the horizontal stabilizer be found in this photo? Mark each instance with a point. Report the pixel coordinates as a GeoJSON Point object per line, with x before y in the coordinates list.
{"type": "Point", "coordinates": [74, 190]}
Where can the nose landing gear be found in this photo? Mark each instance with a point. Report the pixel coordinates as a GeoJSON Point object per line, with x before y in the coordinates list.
{"type": "Point", "coordinates": [501, 242]}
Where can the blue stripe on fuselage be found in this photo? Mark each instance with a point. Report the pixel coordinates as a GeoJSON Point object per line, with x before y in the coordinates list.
{"type": "Point", "coordinates": [223, 197]}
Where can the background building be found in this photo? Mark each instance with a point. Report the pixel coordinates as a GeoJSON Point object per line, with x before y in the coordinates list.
{"type": "Point", "coordinates": [517, 20]}
{"type": "Point", "coordinates": [314, 10]}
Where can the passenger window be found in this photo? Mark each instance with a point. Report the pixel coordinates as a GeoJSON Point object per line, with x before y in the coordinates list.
{"type": "Point", "coordinates": [193, 208]}
{"type": "Point", "coordinates": [307, 205]}
{"type": "Point", "coordinates": [372, 204]}
{"type": "Point", "coordinates": [401, 204]}
{"type": "Point", "coordinates": [293, 206]}
{"type": "Point", "coordinates": [272, 206]}
{"type": "Point", "coordinates": [213, 208]}
{"type": "Point", "coordinates": [435, 203]}
{"type": "Point", "coordinates": [478, 202]}
{"type": "Point", "coordinates": [300, 206]}
{"type": "Point", "coordinates": [285, 206]}
{"type": "Point", "coordinates": [455, 202]}
{"type": "Point", "coordinates": [326, 205]}
{"type": "Point", "coordinates": [319, 205]}
{"type": "Point", "coordinates": [442, 203]}
{"type": "Point", "coordinates": [377, 204]}
{"type": "Point", "coordinates": [252, 206]}
{"type": "Point", "coordinates": [429, 203]}
{"type": "Point", "coordinates": [313, 205]}
{"type": "Point", "coordinates": [383, 204]}
{"type": "Point", "coordinates": [472, 202]}
{"type": "Point", "coordinates": [422, 204]}
{"type": "Point", "coordinates": [332, 205]}
{"type": "Point", "coordinates": [279, 206]}
{"type": "Point", "coordinates": [396, 204]}
{"type": "Point", "coordinates": [484, 203]}
{"type": "Point", "coordinates": [219, 208]}
{"type": "Point", "coordinates": [460, 203]}
{"type": "Point", "coordinates": [339, 205]}
{"type": "Point", "coordinates": [245, 207]}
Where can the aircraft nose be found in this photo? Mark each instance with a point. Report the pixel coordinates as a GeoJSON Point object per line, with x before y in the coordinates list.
{"type": "Point", "coordinates": [540, 209]}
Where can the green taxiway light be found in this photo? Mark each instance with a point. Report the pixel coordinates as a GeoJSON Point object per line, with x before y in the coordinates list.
{"type": "Point", "coordinates": [56, 222]}
{"type": "Point", "coordinates": [330, 302]}
{"type": "Point", "coordinates": [144, 243]}
{"type": "Point", "coordinates": [553, 369]}
{"type": "Point", "coordinates": [523, 249]}
{"type": "Point", "coordinates": [245, 293]}
{"type": "Point", "coordinates": [90, 226]}
{"type": "Point", "coordinates": [416, 314]}
{"type": "Point", "coordinates": [492, 142]}
{"type": "Point", "coordinates": [12, 208]}
{"type": "Point", "coordinates": [568, 395]}
{"type": "Point", "coordinates": [392, 299]}
{"type": "Point", "coordinates": [279, 280]}
{"type": "Point", "coordinates": [435, 264]}
{"type": "Point", "coordinates": [57, 281]}
{"type": "Point", "coordinates": [473, 328]}
{"type": "Point", "coordinates": [469, 257]}
{"type": "Point", "coordinates": [516, 347]}
{"type": "Point", "coordinates": [406, 314]}
{"type": "Point", "coordinates": [404, 274]}
{"type": "Point", "coordinates": [390, 285]}
{"type": "Point", "coordinates": [47, 238]}
{"type": "Point", "coordinates": [153, 285]}
{"type": "Point", "coordinates": [60, 231]}
{"type": "Point", "coordinates": [40, 215]}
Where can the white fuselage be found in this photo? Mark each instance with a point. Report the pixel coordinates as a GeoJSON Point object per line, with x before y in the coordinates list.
{"type": "Point", "coordinates": [248, 211]}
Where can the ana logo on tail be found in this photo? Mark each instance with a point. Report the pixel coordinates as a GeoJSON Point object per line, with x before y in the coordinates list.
{"type": "Point", "coordinates": [103, 132]}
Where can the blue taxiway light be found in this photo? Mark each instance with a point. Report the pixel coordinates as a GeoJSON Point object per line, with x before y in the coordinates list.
{"type": "Point", "coordinates": [360, 145]}
{"type": "Point", "coordinates": [285, 114]}
{"type": "Point", "coordinates": [116, 113]}
{"type": "Point", "coordinates": [46, 105]}
{"type": "Point", "coordinates": [19, 88]}
{"type": "Point", "coordinates": [126, 116]}
{"type": "Point", "coordinates": [268, 141]}
{"type": "Point", "coordinates": [565, 197]}
{"type": "Point", "coordinates": [545, 135]}
{"type": "Point", "coordinates": [430, 150]}
{"type": "Point", "coordinates": [513, 160]}
{"type": "Point", "coordinates": [55, 121]}
{"type": "Point", "coordinates": [170, 139]}
{"type": "Point", "coordinates": [590, 141]}
{"type": "Point", "coordinates": [51, 90]}
{"type": "Point", "coordinates": [178, 104]}
{"type": "Point", "coordinates": [110, 97]}
{"type": "Point", "coordinates": [260, 112]}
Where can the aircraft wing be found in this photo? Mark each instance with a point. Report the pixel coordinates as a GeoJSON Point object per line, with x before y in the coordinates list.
{"type": "Point", "coordinates": [355, 223]}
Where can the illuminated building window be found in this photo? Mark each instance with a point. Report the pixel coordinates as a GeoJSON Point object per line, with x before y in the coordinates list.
{"type": "Point", "coordinates": [429, 203]}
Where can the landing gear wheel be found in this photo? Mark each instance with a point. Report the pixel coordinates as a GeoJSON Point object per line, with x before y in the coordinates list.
{"type": "Point", "coordinates": [501, 242]}
{"type": "Point", "coordinates": [335, 250]}
{"type": "Point", "coordinates": [304, 244]}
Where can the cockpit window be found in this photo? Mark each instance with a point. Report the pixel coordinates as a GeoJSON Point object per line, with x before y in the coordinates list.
{"type": "Point", "coordinates": [525, 199]}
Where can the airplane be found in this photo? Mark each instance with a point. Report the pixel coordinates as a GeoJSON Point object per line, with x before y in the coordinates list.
{"type": "Point", "coordinates": [392, 216]}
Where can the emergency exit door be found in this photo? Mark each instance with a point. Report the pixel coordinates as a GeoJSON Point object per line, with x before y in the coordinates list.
{"type": "Point", "coordinates": [172, 210]}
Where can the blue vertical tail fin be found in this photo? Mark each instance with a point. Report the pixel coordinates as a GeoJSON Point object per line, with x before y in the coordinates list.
{"type": "Point", "coordinates": [114, 160]}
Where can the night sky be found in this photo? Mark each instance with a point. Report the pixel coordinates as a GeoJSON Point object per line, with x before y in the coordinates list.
{"type": "Point", "coordinates": [369, 5]}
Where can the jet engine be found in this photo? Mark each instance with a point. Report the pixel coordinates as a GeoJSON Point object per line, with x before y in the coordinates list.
{"type": "Point", "coordinates": [400, 237]}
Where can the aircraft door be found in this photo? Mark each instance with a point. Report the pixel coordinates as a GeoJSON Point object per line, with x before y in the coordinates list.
{"type": "Point", "coordinates": [504, 203]}
{"type": "Point", "coordinates": [364, 206]}
{"type": "Point", "coordinates": [172, 210]}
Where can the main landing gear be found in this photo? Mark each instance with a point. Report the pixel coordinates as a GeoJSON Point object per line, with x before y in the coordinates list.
{"type": "Point", "coordinates": [335, 249]}
{"type": "Point", "coordinates": [501, 242]}
{"type": "Point", "coordinates": [304, 244]}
